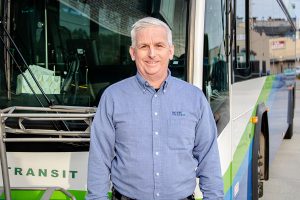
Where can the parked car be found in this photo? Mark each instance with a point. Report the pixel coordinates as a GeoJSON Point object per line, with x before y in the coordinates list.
{"type": "Point", "coordinates": [290, 76]}
{"type": "Point", "coordinates": [298, 71]}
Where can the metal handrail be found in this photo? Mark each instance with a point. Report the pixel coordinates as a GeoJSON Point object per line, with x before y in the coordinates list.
{"type": "Point", "coordinates": [60, 113]}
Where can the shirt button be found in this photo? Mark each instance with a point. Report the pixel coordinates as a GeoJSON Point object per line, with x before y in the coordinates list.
{"type": "Point", "coordinates": [157, 194]}
{"type": "Point", "coordinates": [155, 95]}
{"type": "Point", "coordinates": [156, 133]}
{"type": "Point", "coordinates": [157, 174]}
{"type": "Point", "coordinates": [155, 113]}
{"type": "Point", "coordinates": [156, 153]}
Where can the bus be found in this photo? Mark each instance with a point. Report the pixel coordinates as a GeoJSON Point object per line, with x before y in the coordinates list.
{"type": "Point", "coordinates": [67, 52]}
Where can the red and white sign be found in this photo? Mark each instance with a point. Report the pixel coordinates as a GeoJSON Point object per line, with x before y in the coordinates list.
{"type": "Point", "coordinates": [278, 44]}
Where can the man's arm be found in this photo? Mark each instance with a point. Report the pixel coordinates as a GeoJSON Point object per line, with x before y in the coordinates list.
{"type": "Point", "coordinates": [207, 153]}
{"type": "Point", "coordinates": [101, 150]}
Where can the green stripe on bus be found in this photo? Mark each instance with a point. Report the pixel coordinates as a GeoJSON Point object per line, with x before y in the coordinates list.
{"type": "Point", "coordinates": [37, 195]}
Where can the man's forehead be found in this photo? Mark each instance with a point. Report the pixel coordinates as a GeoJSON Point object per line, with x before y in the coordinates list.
{"type": "Point", "coordinates": [152, 41]}
{"type": "Point", "coordinates": [146, 36]}
{"type": "Point", "coordinates": [152, 30]}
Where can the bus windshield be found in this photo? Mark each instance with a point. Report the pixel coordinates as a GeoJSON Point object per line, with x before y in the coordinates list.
{"type": "Point", "coordinates": [76, 49]}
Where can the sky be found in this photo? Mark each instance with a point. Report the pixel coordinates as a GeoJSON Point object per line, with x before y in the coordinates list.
{"type": "Point", "coordinates": [297, 7]}
{"type": "Point", "coordinates": [262, 9]}
{"type": "Point", "coordinates": [297, 11]}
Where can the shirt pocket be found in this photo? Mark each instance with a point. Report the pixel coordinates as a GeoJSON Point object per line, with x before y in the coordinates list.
{"type": "Point", "coordinates": [181, 134]}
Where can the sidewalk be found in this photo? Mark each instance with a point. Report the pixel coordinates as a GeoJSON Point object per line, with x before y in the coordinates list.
{"type": "Point", "coordinates": [284, 181]}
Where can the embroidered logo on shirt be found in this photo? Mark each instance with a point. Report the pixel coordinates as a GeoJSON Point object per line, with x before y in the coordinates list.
{"type": "Point", "coordinates": [178, 113]}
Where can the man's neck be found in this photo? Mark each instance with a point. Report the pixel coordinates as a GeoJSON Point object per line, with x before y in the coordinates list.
{"type": "Point", "coordinates": [156, 82]}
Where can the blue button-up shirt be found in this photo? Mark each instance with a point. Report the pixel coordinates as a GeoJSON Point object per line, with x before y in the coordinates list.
{"type": "Point", "coordinates": [153, 144]}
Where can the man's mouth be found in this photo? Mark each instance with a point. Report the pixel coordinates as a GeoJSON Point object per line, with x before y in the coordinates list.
{"type": "Point", "coordinates": [151, 62]}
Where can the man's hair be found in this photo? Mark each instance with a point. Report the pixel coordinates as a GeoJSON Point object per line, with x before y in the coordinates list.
{"type": "Point", "coordinates": [149, 22]}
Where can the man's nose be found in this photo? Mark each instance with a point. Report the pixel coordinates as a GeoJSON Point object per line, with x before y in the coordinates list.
{"type": "Point", "coordinates": [152, 52]}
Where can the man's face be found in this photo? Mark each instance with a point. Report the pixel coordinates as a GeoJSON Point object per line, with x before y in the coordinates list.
{"type": "Point", "coordinates": [152, 52]}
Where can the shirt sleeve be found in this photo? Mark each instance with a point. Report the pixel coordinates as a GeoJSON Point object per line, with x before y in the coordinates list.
{"type": "Point", "coordinates": [207, 153]}
{"type": "Point", "coordinates": [101, 150]}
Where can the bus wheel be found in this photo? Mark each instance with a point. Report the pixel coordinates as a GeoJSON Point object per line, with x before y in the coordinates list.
{"type": "Point", "coordinates": [258, 164]}
{"type": "Point", "coordinates": [261, 163]}
{"type": "Point", "coordinates": [291, 110]}
{"type": "Point", "coordinates": [289, 132]}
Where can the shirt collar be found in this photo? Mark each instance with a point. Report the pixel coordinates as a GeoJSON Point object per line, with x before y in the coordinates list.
{"type": "Point", "coordinates": [144, 84]}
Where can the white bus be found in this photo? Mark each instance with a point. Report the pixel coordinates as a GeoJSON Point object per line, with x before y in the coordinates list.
{"type": "Point", "coordinates": [240, 53]}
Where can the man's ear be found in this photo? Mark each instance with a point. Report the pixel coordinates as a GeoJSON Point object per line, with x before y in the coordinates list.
{"type": "Point", "coordinates": [132, 53]}
{"type": "Point", "coordinates": [171, 52]}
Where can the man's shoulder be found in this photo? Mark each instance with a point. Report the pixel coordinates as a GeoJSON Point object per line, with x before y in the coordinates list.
{"type": "Point", "coordinates": [187, 90]}
{"type": "Point", "coordinates": [181, 84]}
{"type": "Point", "coordinates": [124, 84]}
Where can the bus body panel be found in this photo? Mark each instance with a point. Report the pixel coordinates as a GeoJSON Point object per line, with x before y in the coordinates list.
{"type": "Point", "coordinates": [278, 114]}
{"type": "Point", "coordinates": [46, 169]}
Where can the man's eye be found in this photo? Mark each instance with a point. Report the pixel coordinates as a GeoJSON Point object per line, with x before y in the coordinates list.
{"type": "Point", "coordinates": [160, 45]}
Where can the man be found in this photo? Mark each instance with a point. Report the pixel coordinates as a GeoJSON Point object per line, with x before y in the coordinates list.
{"type": "Point", "coordinates": [153, 134]}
